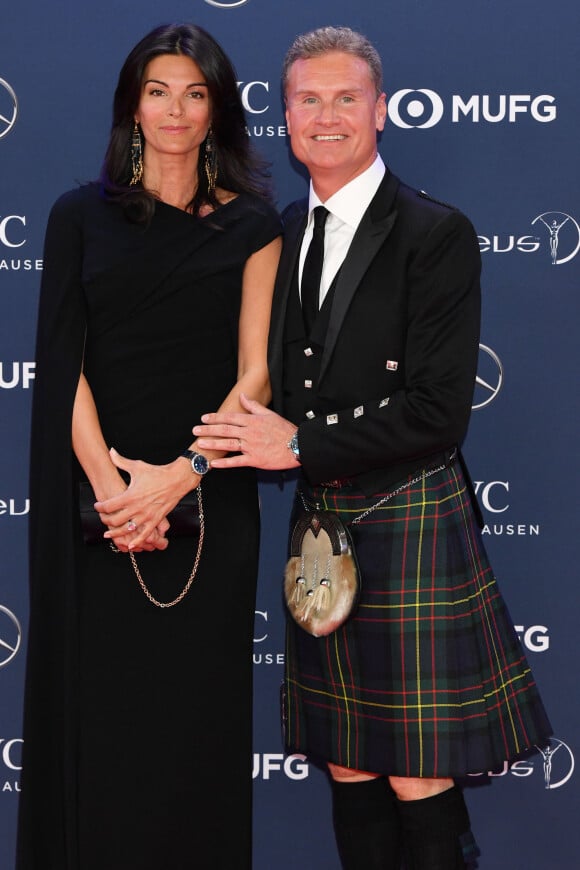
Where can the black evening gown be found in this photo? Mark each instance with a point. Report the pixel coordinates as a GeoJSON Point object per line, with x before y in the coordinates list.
{"type": "Point", "coordinates": [138, 719]}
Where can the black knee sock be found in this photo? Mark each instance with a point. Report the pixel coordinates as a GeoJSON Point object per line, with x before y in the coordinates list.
{"type": "Point", "coordinates": [436, 832]}
{"type": "Point", "coordinates": [366, 825]}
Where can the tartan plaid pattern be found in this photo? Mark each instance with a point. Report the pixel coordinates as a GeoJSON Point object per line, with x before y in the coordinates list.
{"type": "Point", "coordinates": [428, 678]}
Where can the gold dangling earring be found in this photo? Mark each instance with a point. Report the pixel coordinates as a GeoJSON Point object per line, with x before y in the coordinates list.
{"type": "Point", "coordinates": [136, 156]}
{"type": "Point", "coordinates": [210, 163]}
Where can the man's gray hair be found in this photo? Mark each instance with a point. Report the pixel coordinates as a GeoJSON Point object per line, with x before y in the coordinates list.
{"type": "Point", "coordinates": [325, 39]}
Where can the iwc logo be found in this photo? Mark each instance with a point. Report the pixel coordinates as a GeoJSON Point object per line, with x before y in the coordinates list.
{"type": "Point", "coordinates": [268, 655]}
{"type": "Point", "coordinates": [558, 763]}
{"type": "Point", "coordinates": [10, 636]}
{"type": "Point", "coordinates": [226, 4]}
{"type": "Point", "coordinates": [563, 235]}
{"type": "Point", "coordinates": [11, 759]}
{"type": "Point", "coordinates": [489, 378]}
{"type": "Point", "coordinates": [494, 498]}
{"type": "Point", "coordinates": [12, 239]}
{"type": "Point", "coordinates": [8, 108]}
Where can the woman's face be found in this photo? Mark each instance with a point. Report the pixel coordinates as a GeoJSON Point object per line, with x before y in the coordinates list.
{"type": "Point", "coordinates": [174, 110]}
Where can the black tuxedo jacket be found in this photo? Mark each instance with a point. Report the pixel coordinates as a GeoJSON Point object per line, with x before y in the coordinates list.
{"type": "Point", "coordinates": [399, 363]}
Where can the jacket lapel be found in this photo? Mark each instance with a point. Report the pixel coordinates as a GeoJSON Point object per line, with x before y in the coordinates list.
{"type": "Point", "coordinates": [294, 226]}
{"type": "Point", "coordinates": [374, 228]}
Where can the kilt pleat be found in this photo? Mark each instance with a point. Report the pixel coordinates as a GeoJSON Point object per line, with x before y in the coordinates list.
{"type": "Point", "coordinates": [428, 678]}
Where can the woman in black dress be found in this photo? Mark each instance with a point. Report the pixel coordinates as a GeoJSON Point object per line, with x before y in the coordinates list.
{"type": "Point", "coordinates": [154, 309]}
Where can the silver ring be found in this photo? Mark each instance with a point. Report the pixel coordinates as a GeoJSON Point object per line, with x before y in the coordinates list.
{"type": "Point", "coordinates": [131, 526]}
{"type": "Point", "coordinates": [240, 445]}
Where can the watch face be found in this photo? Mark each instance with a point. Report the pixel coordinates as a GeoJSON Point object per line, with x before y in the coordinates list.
{"type": "Point", "coordinates": [200, 464]}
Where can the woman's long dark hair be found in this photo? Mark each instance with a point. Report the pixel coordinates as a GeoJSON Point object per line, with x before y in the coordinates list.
{"type": "Point", "coordinates": [239, 170]}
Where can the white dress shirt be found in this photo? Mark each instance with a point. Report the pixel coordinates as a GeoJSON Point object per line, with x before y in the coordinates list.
{"type": "Point", "coordinates": [346, 208]}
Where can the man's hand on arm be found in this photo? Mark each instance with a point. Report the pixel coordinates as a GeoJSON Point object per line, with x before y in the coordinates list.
{"type": "Point", "coordinates": [259, 438]}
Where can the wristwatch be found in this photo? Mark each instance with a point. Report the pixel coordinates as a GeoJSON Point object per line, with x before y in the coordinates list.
{"type": "Point", "coordinates": [293, 445]}
{"type": "Point", "coordinates": [199, 462]}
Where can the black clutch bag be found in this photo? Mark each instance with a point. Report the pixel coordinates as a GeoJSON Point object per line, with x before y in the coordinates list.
{"type": "Point", "coordinates": [184, 518]}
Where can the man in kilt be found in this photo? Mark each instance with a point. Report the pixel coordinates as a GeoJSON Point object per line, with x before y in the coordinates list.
{"type": "Point", "coordinates": [426, 680]}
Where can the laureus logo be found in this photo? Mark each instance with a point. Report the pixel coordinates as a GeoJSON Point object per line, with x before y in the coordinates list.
{"type": "Point", "coordinates": [563, 235]}
{"type": "Point", "coordinates": [8, 108]}
{"type": "Point", "coordinates": [558, 763]}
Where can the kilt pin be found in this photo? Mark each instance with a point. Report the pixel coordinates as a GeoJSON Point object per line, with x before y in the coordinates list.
{"type": "Point", "coordinates": [428, 678]}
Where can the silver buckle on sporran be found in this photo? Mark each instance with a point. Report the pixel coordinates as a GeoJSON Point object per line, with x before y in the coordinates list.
{"type": "Point", "coordinates": [321, 581]}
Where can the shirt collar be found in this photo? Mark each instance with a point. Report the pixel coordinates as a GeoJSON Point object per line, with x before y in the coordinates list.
{"type": "Point", "coordinates": [351, 201]}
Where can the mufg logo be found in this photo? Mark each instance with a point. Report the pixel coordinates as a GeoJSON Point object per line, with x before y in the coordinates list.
{"type": "Point", "coordinates": [423, 108]}
{"type": "Point", "coordinates": [267, 763]}
{"type": "Point", "coordinates": [17, 374]}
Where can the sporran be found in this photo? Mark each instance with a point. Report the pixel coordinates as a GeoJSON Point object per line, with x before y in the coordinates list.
{"type": "Point", "coordinates": [321, 582]}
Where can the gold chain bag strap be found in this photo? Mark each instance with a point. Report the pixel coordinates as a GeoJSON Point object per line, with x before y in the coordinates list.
{"type": "Point", "coordinates": [322, 581]}
{"type": "Point", "coordinates": [191, 577]}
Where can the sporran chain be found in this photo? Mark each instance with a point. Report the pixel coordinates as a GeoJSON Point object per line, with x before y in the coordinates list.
{"type": "Point", "coordinates": [423, 476]}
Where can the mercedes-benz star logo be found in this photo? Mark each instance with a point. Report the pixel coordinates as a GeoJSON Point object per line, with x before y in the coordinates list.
{"type": "Point", "coordinates": [489, 378]}
{"type": "Point", "coordinates": [10, 636]}
{"type": "Point", "coordinates": [226, 4]}
{"type": "Point", "coordinates": [8, 108]}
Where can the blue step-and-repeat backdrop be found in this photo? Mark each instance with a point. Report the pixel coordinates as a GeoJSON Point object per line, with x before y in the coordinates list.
{"type": "Point", "coordinates": [483, 113]}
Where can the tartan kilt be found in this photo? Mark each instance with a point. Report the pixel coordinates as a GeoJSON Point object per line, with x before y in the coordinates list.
{"type": "Point", "coordinates": [428, 678]}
